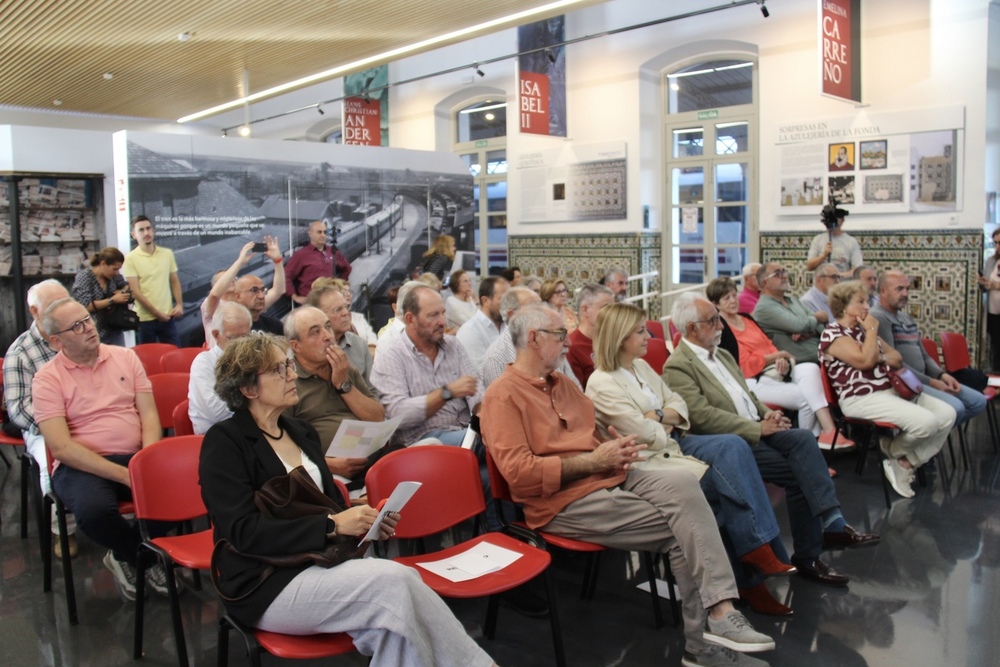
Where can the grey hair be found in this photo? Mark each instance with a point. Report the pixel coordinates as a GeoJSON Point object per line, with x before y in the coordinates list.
{"type": "Point", "coordinates": [750, 269]}
{"type": "Point", "coordinates": [49, 325]}
{"type": "Point", "coordinates": [292, 321]}
{"type": "Point", "coordinates": [588, 294]}
{"type": "Point", "coordinates": [405, 289]}
{"type": "Point", "coordinates": [230, 311]}
{"type": "Point", "coordinates": [614, 271]}
{"type": "Point", "coordinates": [685, 310]}
{"type": "Point", "coordinates": [864, 267]}
{"type": "Point", "coordinates": [411, 302]}
{"type": "Point", "coordinates": [533, 283]}
{"type": "Point", "coordinates": [510, 302]}
{"type": "Point", "coordinates": [821, 268]}
{"type": "Point", "coordinates": [532, 317]}
{"type": "Point", "coordinates": [34, 292]}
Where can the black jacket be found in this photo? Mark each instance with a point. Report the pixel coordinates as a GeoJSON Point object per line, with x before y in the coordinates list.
{"type": "Point", "coordinates": [236, 460]}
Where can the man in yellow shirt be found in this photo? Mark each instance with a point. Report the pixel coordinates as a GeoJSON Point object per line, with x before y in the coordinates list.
{"type": "Point", "coordinates": [151, 272]}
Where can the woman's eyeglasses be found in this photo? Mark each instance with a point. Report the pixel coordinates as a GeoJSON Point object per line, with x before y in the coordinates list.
{"type": "Point", "coordinates": [281, 369]}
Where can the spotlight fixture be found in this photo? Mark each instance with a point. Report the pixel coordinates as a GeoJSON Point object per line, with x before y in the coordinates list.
{"type": "Point", "coordinates": [244, 130]}
{"type": "Point", "coordinates": [225, 133]}
{"type": "Point", "coordinates": [551, 56]}
{"type": "Point", "coordinates": [475, 66]}
{"type": "Point", "coordinates": [319, 109]}
{"type": "Point", "coordinates": [365, 96]}
{"type": "Point", "coordinates": [763, 9]}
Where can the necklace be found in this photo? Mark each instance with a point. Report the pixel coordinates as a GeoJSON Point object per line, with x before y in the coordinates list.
{"type": "Point", "coordinates": [281, 433]}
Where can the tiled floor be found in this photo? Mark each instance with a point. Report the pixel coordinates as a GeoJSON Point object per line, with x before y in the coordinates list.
{"type": "Point", "coordinates": [928, 595]}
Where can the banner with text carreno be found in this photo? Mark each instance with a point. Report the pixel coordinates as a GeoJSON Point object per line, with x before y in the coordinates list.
{"type": "Point", "coordinates": [542, 77]}
{"type": "Point", "coordinates": [840, 48]}
{"type": "Point", "coordinates": [366, 107]}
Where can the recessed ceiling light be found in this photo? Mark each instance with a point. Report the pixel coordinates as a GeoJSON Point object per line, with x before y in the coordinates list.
{"type": "Point", "coordinates": [183, 37]}
{"type": "Point", "coordinates": [490, 116]}
{"type": "Point", "coordinates": [108, 76]}
{"type": "Point", "coordinates": [57, 102]}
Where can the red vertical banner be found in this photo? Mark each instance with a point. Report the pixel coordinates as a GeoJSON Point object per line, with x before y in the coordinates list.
{"type": "Point", "coordinates": [362, 122]}
{"type": "Point", "coordinates": [840, 48]}
{"type": "Point", "coordinates": [534, 106]}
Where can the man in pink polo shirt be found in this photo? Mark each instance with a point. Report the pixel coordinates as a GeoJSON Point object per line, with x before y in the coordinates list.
{"type": "Point", "coordinates": [94, 406]}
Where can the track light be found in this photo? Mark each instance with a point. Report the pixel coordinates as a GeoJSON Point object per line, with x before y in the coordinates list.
{"type": "Point", "coordinates": [225, 133]}
{"type": "Point", "coordinates": [475, 66]}
{"type": "Point", "coordinates": [366, 97]}
{"type": "Point", "coordinates": [244, 130]}
{"type": "Point", "coordinates": [551, 56]}
{"type": "Point", "coordinates": [319, 109]}
{"type": "Point", "coordinates": [763, 9]}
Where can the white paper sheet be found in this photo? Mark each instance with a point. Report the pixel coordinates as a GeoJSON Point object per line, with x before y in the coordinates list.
{"type": "Point", "coordinates": [993, 381]}
{"type": "Point", "coordinates": [399, 497]}
{"type": "Point", "coordinates": [481, 559]}
{"type": "Point", "coordinates": [357, 439]}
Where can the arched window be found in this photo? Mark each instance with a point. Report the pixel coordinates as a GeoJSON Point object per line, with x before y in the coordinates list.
{"type": "Point", "coordinates": [710, 114]}
{"type": "Point", "coordinates": [480, 138]}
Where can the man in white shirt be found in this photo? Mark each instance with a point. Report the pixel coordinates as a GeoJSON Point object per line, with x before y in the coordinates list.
{"type": "Point", "coordinates": [486, 325]}
{"type": "Point", "coordinates": [398, 325]}
{"type": "Point", "coordinates": [230, 321]}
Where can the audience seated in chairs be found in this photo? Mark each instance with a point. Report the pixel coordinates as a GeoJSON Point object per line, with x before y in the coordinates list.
{"type": "Point", "coordinates": [486, 325]}
{"type": "Point", "coordinates": [589, 301]}
{"type": "Point", "coordinates": [787, 322]}
{"type": "Point", "coordinates": [230, 321]}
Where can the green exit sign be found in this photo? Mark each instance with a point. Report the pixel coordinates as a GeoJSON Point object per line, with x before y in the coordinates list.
{"type": "Point", "coordinates": [483, 143]}
{"type": "Point", "coordinates": [708, 115]}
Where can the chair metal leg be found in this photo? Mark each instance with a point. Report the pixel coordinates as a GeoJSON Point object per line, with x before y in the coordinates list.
{"type": "Point", "coordinates": [964, 447]}
{"type": "Point", "coordinates": [222, 644]}
{"type": "Point", "coordinates": [140, 606]}
{"type": "Point", "coordinates": [45, 537]}
{"type": "Point", "coordinates": [25, 480]}
{"type": "Point", "coordinates": [6, 461]}
{"type": "Point", "coordinates": [647, 557]}
{"type": "Point", "coordinates": [951, 451]}
{"type": "Point", "coordinates": [594, 569]}
{"type": "Point", "coordinates": [175, 614]}
{"type": "Point", "coordinates": [67, 563]}
{"type": "Point", "coordinates": [490, 626]}
{"type": "Point", "coordinates": [557, 643]}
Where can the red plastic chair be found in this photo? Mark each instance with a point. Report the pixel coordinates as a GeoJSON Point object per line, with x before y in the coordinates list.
{"type": "Point", "coordinates": [930, 347]}
{"type": "Point", "coordinates": [45, 528]}
{"type": "Point", "coordinates": [179, 361]}
{"type": "Point", "coordinates": [452, 492]}
{"type": "Point", "coordinates": [182, 420]}
{"type": "Point", "coordinates": [655, 329]}
{"type": "Point", "coordinates": [500, 491]}
{"type": "Point", "coordinates": [870, 428]}
{"type": "Point", "coordinates": [656, 354]}
{"type": "Point", "coordinates": [165, 487]}
{"type": "Point", "coordinates": [150, 354]}
{"type": "Point", "coordinates": [291, 647]}
{"type": "Point", "coordinates": [169, 389]}
{"type": "Point", "coordinates": [24, 458]}
{"type": "Point", "coordinates": [955, 350]}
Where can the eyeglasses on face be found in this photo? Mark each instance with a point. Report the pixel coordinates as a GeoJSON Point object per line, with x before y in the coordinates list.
{"type": "Point", "coordinates": [780, 273]}
{"type": "Point", "coordinates": [77, 327]}
{"type": "Point", "coordinates": [713, 320]}
{"type": "Point", "coordinates": [560, 334]}
{"type": "Point", "coordinates": [561, 290]}
{"type": "Point", "coordinates": [835, 277]}
{"type": "Point", "coordinates": [257, 290]}
{"type": "Point", "coordinates": [281, 369]}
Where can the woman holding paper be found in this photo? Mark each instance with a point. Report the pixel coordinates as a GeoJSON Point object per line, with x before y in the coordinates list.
{"type": "Point", "coordinates": [385, 607]}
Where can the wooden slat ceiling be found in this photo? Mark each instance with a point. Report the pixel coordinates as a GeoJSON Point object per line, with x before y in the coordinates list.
{"type": "Point", "coordinates": [61, 49]}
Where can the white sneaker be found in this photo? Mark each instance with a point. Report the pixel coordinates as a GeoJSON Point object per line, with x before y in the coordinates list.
{"type": "Point", "coordinates": [156, 578]}
{"type": "Point", "coordinates": [734, 631]}
{"type": "Point", "coordinates": [124, 575]}
{"type": "Point", "coordinates": [899, 477]}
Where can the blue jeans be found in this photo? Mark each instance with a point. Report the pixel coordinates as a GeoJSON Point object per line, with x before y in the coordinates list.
{"type": "Point", "coordinates": [156, 331]}
{"type": "Point", "coordinates": [967, 403]}
{"type": "Point", "coordinates": [736, 493]}
{"type": "Point", "coordinates": [792, 460]}
{"type": "Point", "coordinates": [94, 501]}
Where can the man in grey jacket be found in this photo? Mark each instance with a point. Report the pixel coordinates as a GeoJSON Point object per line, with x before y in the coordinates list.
{"type": "Point", "coordinates": [897, 328]}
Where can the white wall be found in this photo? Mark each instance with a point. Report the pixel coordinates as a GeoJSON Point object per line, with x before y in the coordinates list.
{"type": "Point", "coordinates": [916, 53]}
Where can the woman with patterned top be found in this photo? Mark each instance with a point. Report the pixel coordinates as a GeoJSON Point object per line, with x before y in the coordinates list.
{"type": "Point", "coordinates": [102, 287]}
{"type": "Point", "coordinates": [858, 364]}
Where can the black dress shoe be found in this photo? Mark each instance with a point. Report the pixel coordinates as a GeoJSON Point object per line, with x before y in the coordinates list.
{"type": "Point", "coordinates": [849, 539]}
{"type": "Point", "coordinates": [816, 570]}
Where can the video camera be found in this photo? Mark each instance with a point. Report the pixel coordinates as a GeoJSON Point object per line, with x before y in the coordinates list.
{"type": "Point", "coordinates": [831, 214]}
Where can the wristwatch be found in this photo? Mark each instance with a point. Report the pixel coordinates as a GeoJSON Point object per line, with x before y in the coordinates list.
{"type": "Point", "coordinates": [446, 393]}
{"type": "Point", "coordinates": [659, 415]}
{"type": "Point", "coordinates": [345, 387]}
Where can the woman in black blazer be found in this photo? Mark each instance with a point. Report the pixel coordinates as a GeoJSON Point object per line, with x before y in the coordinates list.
{"type": "Point", "coordinates": [385, 607]}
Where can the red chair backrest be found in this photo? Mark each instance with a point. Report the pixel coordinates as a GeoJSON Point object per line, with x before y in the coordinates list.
{"type": "Point", "coordinates": [179, 361]}
{"type": "Point", "coordinates": [955, 350]}
{"type": "Point", "coordinates": [451, 493]}
{"type": "Point", "coordinates": [169, 389]}
{"type": "Point", "coordinates": [499, 488]}
{"type": "Point", "coordinates": [150, 354]}
{"type": "Point", "coordinates": [930, 347]}
{"type": "Point", "coordinates": [182, 419]}
{"type": "Point", "coordinates": [676, 339]}
{"type": "Point", "coordinates": [675, 333]}
{"type": "Point", "coordinates": [655, 328]}
{"type": "Point", "coordinates": [164, 479]}
{"type": "Point", "coordinates": [656, 354]}
{"type": "Point", "coordinates": [831, 395]}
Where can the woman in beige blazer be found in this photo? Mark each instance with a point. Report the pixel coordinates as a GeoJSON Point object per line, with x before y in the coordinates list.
{"type": "Point", "coordinates": [629, 395]}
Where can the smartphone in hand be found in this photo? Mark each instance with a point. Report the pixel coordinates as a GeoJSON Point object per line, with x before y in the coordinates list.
{"type": "Point", "coordinates": [259, 247]}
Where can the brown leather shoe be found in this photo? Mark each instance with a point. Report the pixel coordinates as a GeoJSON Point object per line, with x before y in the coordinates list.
{"type": "Point", "coordinates": [57, 548]}
{"type": "Point", "coordinates": [761, 601]}
{"type": "Point", "coordinates": [849, 539]}
{"type": "Point", "coordinates": [763, 559]}
{"type": "Point", "coordinates": [816, 570]}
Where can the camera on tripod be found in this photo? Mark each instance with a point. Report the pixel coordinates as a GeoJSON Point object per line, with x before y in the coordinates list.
{"type": "Point", "coordinates": [831, 214]}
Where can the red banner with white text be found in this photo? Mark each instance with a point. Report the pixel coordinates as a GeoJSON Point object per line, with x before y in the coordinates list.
{"type": "Point", "coordinates": [840, 48]}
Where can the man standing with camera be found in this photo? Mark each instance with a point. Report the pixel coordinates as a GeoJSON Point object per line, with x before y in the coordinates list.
{"type": "Point", "coordinates": [315, 260]}
{"type": "Point", "coordinates": [835, 245]}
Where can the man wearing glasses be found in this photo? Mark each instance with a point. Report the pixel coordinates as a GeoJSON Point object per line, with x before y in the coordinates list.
{"type": "Point", "coordinates": [710, 382]}
{"type": "Point", "coordinates": [94, 406]}
{"type": "Point", "coordinates": [825, 277]}
{"type": "Point", "coordinates": [205, 408]}
{"type": "Point", "coordinates": [793, 327]}
{"type": "Point", "coordinates": [151, 272]}
{"type": "Point", "coordinates": [251, 293]}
